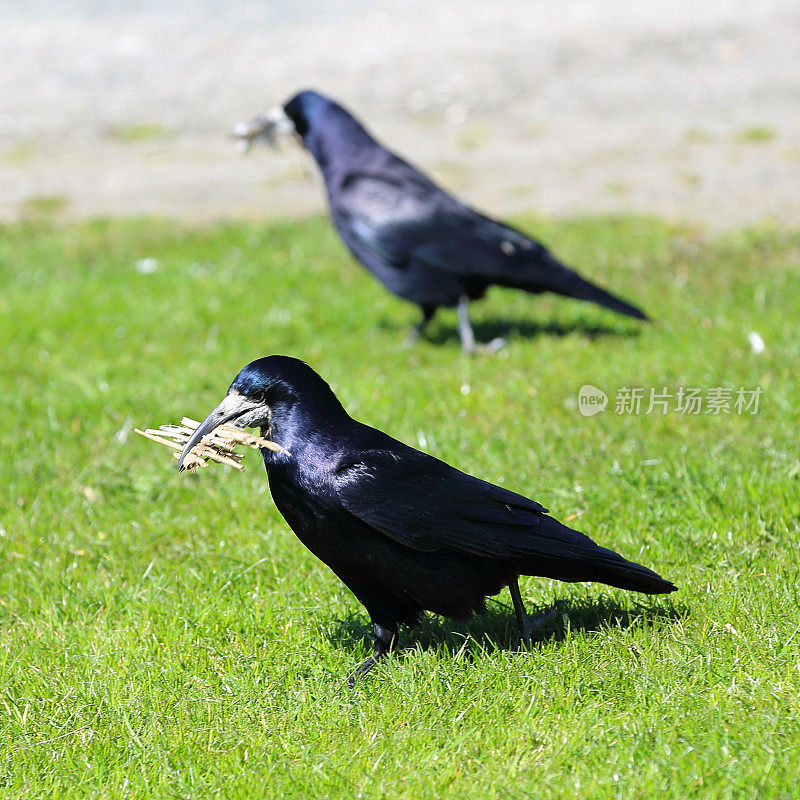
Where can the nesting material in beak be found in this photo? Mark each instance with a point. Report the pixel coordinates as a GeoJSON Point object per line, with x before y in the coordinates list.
{"type": "Point", "coordinates": [270, 127]}
{"type": "Point", "coordinates": [215, 445]}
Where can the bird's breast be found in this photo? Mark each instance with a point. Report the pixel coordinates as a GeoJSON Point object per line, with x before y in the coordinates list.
{"type": "Point", "coordinates": [312, 514]}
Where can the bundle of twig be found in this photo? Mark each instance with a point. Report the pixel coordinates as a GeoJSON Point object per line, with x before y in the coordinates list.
{"type": "Point", "coordinates": [215, 446]}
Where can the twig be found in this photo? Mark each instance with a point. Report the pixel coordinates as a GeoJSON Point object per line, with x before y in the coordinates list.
{"type": "Point", "coordinates": [218, 445]}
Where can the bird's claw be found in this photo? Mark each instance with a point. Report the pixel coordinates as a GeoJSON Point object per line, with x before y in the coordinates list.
{"type": "Point", "coordinates": [494, 346]}
{"type": "Point", "coordinates": [489, 348]}
{"type": "Point", "coordinates": [361, 670]}
{"type": "Point", "coordinates": [537, 623]}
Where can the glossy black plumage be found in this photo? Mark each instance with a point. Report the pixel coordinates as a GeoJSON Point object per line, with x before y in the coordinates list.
{"type": "Point", "coordinates": [421, 243]}
{"type": "Point", "coordinates": [406, 532]}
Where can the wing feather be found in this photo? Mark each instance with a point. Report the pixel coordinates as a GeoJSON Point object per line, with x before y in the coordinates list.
{"type": "Point", "coordinates": [405, 218]}
{"type": "Point", "coordinates": [448, 509]}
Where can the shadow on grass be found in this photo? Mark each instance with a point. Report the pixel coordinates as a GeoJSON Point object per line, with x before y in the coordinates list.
{"type": "Point", "coordinates": [497, 629]}
{"type": "Point", "coordinates": [523, 329]}
{"type": "Point", "coordinates": [510, 329]}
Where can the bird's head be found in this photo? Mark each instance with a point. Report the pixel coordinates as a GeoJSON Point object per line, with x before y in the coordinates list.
{"type": "Point", "coordinates": [306, 110]}
{"type": "Point", "coordinates": [295, 119]}
{"type": "Point", "coordinates": [266, 394]}
{"type": "Point", "coordinates": [329, 132]}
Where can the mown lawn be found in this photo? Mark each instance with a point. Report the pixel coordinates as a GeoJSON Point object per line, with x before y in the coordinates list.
{"type": "Point", "coordinates": [165, 635]}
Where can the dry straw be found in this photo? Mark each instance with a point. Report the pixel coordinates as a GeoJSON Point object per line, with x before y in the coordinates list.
{"type": "Point", "coordinates": [215, 446]}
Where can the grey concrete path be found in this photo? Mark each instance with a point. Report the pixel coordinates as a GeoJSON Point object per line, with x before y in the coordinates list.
{"type": "Point", "coordinates": [690, 110]}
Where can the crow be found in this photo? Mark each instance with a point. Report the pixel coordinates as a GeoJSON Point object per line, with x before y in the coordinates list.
{"type": "Point", "coordinates": [405, 532]}
{"type": "Point", "coordinates": [422, 244]}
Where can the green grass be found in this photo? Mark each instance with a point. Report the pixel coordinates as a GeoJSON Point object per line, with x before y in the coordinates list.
{"type": "Point", "coordinates": [47, 205]}
{"type": "Point", "coordinates": [19, 154]}
{"type": "Point", "coordinates": [756, 134]}
{"type": "Point", "coordinates": [139, 132]}
{"type": "Point", "coordinates": [698, 136]}
{"type": "Point", "coordinates": [164, 635]}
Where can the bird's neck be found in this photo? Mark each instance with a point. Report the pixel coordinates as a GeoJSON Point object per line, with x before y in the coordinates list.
{"type": "Point", "coordinates": [302, 428]}
{"type": "Point", "coordinates": [340, 144]}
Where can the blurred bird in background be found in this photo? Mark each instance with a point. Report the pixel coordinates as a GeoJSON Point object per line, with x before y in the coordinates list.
{"type": "Point", "coordinates": [420, 242]}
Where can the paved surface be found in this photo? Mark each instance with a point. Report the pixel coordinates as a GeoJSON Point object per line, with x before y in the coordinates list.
{"type": "Point", "coordinates": [684, 109]}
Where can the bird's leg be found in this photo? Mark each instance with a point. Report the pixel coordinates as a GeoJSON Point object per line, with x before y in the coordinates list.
{"type": "Point", "coordinates": [417, 331]}
{"type": "Point", "coordinates": [468, 344]}
{"type": "Point", "coordinates": [523, 623]}
{"type": "Point", "coordinates": [464, 326]}
{"type": "Point", "coordinates": [385, 641]}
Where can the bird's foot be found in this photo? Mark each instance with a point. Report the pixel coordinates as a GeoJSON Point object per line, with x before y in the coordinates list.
{"type": "Point", "coordinates": [494, 346]}
{"type": "Point", "coordinates": [537, 623]}
{"type": "Point", "coordinates": [362, 669]}
{"type": "Point", "coordinates": [385, 641]}
{"type": "Point", "coordinates": [411, 340]}
{"type": "Point", "coordinates": [489, 348]}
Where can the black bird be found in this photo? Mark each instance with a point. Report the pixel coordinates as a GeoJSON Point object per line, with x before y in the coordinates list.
{"type": "Point", "coordinates": [406, 532]}
{"type": "Point", "coordinates": [422, 244]}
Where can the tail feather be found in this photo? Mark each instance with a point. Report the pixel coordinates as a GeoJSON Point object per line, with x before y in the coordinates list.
{"type": "Point", "coordinates": [632, 576]}
{"type": "Point", "coordinates": [581, 289]}
{"type": "Point", "coordinates": [617, 572]}
{"type": "Point", "coordinates": [569, 555]}
{"type": "Point", "coordinates": [550, 275]}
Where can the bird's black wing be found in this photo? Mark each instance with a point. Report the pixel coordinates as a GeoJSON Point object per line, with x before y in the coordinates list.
{"type": "Point", "coordinates": [425, 504]}
{"type": "Point", "coordinates": [402, 216]}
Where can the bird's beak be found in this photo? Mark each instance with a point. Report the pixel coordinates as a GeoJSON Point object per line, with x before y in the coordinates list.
{"type": "Point", "coordinates": [270, 127]}
{"type": "Point", "coordinates": [234, 405]}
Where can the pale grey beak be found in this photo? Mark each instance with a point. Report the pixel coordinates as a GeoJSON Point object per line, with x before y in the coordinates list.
{"type": "Point", "coordinates": [270, 127]}
{"type": "Point", "coordinates": [234, 405]}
